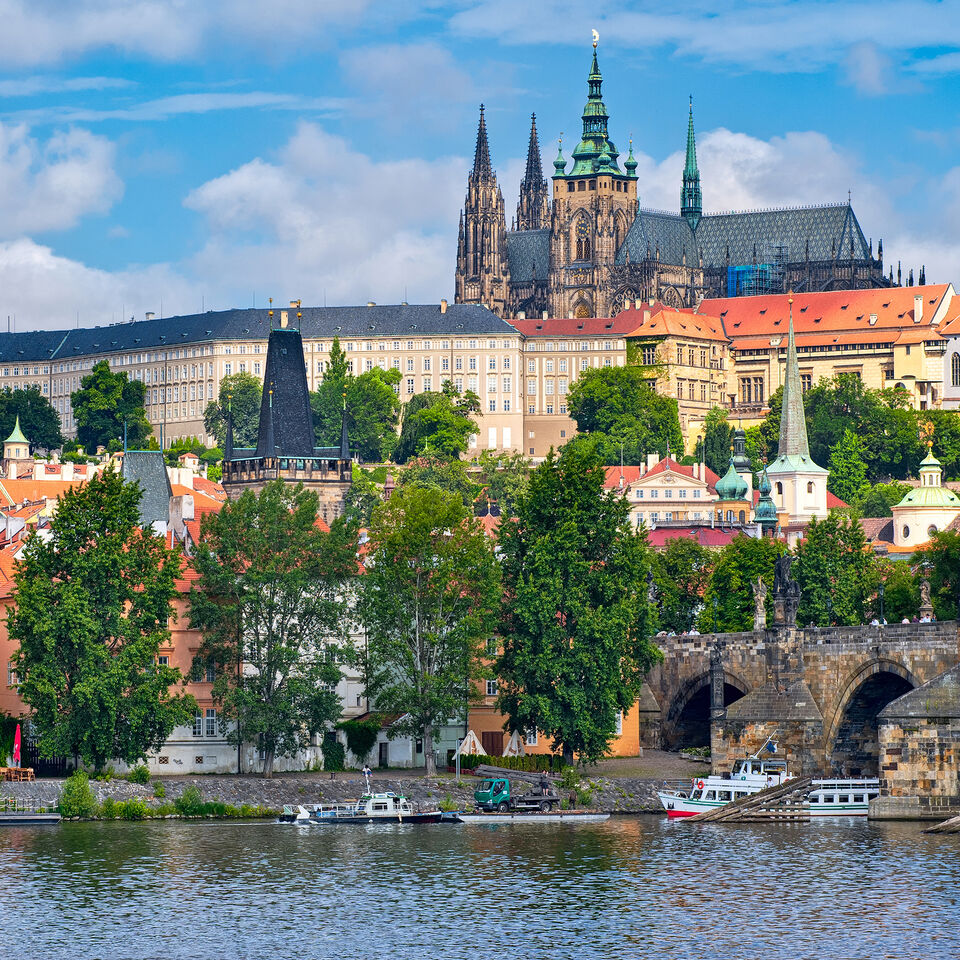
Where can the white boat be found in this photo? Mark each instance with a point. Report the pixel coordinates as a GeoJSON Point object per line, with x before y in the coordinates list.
{"type": "Point", "coordinates": [294, 813]}
{"type": "Point", "coordinates": [842, 798]}
{"type": "Point", "coordinates": [707, 793]}
{"type": "Point", "coordinates": [387, 807]}
{"type": "Point", "coordinates": [558, 816]}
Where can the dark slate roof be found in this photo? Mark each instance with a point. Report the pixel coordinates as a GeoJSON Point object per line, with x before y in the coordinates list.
{"type": "Point", "coordinates": [793, 702]}
{"type": "Point", "coordinates": [528, 252]}
{"type": "Point", "coordinates": [147, 468]}
{"type": "Point", "coordinates": [285, 418]}
{"type": "Point", "coordinates": [827, 228]}
{"type": "Point", "coordinates": [389, 320]}
{"type": "Point", "coordinates": [668, 232]}
{"type": "Point", "coordinates": [937, 699]}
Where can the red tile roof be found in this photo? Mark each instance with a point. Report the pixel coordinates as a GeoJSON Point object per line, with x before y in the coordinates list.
{"type": "Point", "coordinates": [663, 321]}
{"type": "Point", "coordinates": [620, 325]}
{"type": "Point", "coordinates": [633, 473]}
{"type": "Point", "coordinates": [705, 536]}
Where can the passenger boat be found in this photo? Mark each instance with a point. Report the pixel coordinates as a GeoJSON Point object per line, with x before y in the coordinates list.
{"type": "Point", "coordinates": [842, 798]}
{"type": "Point", "coordinates": [707, 793]}
{"type": "Point", "coordinates": [387, 807]}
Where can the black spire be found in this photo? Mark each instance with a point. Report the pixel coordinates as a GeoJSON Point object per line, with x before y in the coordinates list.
{"type": "Point", "coordinates": [533, 210]}
{"type": "Point", "coordinates": [286, 422]}
{"type": "Point", "coordinates": [481, 156]}
{"type": "Point", "coordinates": [534, 172]}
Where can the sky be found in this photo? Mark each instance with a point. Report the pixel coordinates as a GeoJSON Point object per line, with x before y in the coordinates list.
{"type": "Point", "coordinates": [175, 155]}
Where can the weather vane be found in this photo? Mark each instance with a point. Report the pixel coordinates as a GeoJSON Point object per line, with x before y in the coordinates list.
{"type": "Point", "coordinates": [596, 38]}
{"type": "Point", "coordinates": [926, 433]}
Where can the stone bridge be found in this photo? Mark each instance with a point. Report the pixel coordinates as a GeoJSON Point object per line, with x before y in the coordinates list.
{"type": "Point", "coordinates": [817, 691]}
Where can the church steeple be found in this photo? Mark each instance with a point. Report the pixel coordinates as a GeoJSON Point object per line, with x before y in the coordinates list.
{"type": "Point", "coordinates": [481, 154]}
{"type": "Point", "coordinates": [595, 141]}
{"type": "Point", "coordinates": [691, 206]}
{"type": "Point", "coordinates": [533, 210]}
{"type": "Point", "coordinates": [793, 422]}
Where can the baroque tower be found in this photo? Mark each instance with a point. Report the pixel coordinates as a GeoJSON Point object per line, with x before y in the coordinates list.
{"type": "Point", "coordinates": [533, 210]}
{"type": "Point", "coordinates": [482, 270]}
{"type": "Point", "coordinates": [691, 207]}
{"type": "Point", "coordinates": [593, 207]}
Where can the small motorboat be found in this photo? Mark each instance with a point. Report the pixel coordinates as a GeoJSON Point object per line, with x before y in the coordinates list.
{"type": "Point", "coordinates": [294, 814]}
{"type": "Point", "coordinates": [386, 807]}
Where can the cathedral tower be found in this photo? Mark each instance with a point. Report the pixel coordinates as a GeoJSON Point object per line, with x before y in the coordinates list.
{"type": "Point", "coordinates": [691, 206]}
{"type": "Point", "coordinates": [482, 270]}
{"type": "Point", "coordinates": [533, 210]}
{"type": "Point", "coordinates": [593, 207]}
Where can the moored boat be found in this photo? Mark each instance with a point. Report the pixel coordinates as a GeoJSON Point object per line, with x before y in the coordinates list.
{"type": "Point", "coordinates": [842, 798]}
{"type": "Point", "coordinates": [707, 793]}
{"type": "Point", "coordinates": [386, 807]}
{"type": "Point", "coordinates": [557, 816]}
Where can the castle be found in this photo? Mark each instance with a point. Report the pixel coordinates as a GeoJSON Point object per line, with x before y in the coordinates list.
{"type": "Point", "coordinates": [593, 250]}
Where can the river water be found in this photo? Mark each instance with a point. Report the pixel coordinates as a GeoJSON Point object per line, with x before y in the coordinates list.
{"type": "Point", "coordinates": [631, 888]}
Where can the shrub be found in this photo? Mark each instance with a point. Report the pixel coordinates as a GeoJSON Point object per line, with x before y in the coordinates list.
{"type": "Point", "coordinates": [533, 763]}
{"type": "Point", "coordinates": [190, 802]}
{"type": "Point", "coordinates": [134, 809]}
{"type": "Point", "coordinates": [585, 798]}
{"type": "Point", "coordinates": [76, 798]}
{"type": "Point", "coordinates": [334, 755]}
{"type": "Point", "coordinates": [108, 809]}
{"type": "Point", "coordinates": [361, 736]}
{"type": "Point", "coordinates": [159, 790]}
{"type": "Point", "coordinates": [570, 779]}
{"type": "Point", "coordinates": [139, 774]}
{"type": "Point", "coordinates": [448, 804]}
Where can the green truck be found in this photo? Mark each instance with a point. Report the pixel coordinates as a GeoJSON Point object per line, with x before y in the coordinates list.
{"type": "Point", "coordinates": [495, 793]}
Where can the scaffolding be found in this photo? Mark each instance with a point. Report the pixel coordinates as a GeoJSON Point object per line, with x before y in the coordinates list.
{"type": "Point", "coordinates": [757, 279]}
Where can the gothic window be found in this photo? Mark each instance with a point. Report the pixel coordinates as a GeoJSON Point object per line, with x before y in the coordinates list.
{"type": "Point", "coordinates": [955, 369]}
{"type": "Point", "coordinates": [581, 310]}
{"type": "Point", "coordinates": [806, 381]}
{"type": "Point", "coordinates": [583, 239]}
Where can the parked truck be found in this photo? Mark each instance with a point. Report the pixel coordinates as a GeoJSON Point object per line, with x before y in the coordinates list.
{"type": "Point", "coordinates": [495, 793]}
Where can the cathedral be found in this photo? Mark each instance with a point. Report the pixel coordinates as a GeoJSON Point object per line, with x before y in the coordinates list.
{"type": "Point", "coordinates": [592, 249]}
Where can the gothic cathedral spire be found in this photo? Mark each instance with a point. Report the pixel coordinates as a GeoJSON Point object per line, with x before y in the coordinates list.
{"type": "Point", "coordinates": [533, 210]}
{"type": "Point", "coordinates": [691, 207]}
{"type": "Point", "coordinates": [482, 272]}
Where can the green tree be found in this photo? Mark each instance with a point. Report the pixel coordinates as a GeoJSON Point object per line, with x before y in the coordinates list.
{"type": "Point", "coordinates": [437, 424]}
{"type": "Point", "coordinates": [682, 573]}
{"type": "Point", "coordinates": [448, 475]}
{"type": "Point", "coordinates": [838, 575]}
{"type": "Point", "coordinates": [272, 599]}
{"type": "Point", "coordinates": [877, 501]}
{"type": "Point", "coordinates": [103, 403]}
{"type": "Point", "coordinates": [728, 603]}
{"type": "Point", "coordinates": [428, 601]}
{"type": "Point", "coordinates": [901, 590]}
{"type": "Point", "coordinates": [576, 622]}
{"type": "Point", "coordinates": [940, 562]}
{"type": "Point", "coordinates": [240, 392]}
{"type": "Point", "coordinates": [848, 472]}
{"type": "Point", "coordinates": [714, 448]}
{"type": "Point", "coordinates": [617, 406]}
{"type": "Point", "coordinates": [505, 477]}
{"type": "Point", "coordinates": [93, 608]}
{"type": "Point", "coordinates": [364, 494]}
{"type": "Point", "coordinates": [39, 422]}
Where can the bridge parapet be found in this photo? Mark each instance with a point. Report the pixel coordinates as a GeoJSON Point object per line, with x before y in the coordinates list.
{"type": "Point", "coordinates": [922, 633]}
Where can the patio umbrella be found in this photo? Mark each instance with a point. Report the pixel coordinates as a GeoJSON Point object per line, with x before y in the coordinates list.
{"type": "Point", "coordinates": [16, 747]}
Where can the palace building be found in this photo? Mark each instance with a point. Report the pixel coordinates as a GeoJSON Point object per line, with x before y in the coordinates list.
{"type": "Point", "coordinates": [593, 249]}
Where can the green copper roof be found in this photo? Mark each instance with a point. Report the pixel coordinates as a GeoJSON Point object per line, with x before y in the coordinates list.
{"type": "Point", "coordinates": [765, 513]}
{"type": "Point", "coordinates": [691, 204]}
{"type": "Point", "coordinates": [560, 164]}
{"type": "Point", "coordinates": [929, 460]}
{"type": "Point", "coordinates": [690, 168]}
{"type": "Point", "coordinates": [731, 486]}
{"type": "Point", "coordinates": [595, 141]}
{"type": "Point", "coordinates": [630, 165]}
{"type": "Point", "coordinates": [17, 435]}
{"type": "Point", "coordinates": [930, 497]}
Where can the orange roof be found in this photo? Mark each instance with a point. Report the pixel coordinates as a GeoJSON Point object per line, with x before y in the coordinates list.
{"type": "Point", "coordinates": [619, 325]}
{"type": "Point", "coordinates": [847, 310]}
{"type": "Point", "coordinates": [16, 491]}
{"type": "Point", "coordinates": [211, 489]}
{"type": "Point", "coordinates": [664, 321]}
{"type": "Point", "coordinates": [633, 473]}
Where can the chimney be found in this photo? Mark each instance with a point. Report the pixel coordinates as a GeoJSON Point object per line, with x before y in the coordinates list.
{"type": "Point", "coordinates": [149, 314]}
{"type": "Point", "coordinates": [66, 470]}
{"type": "Point", "coordinates": [543, 316]}
{"type": "Point", "coordinates": [521, 315]}
{"type": "Point", "coordinates": [918, 308]}
{"type": "Point", "coordinates": [637, 303]}
{"type": "Point", "coordinates": [284, 319]}
{"type": "Point", "coordinates": [294, 304]}
{"type": "Point", "coordinates": [652, 460]}
{"type": "Point", "coordinates": [646, 315]}
{"type": "Point", "coordinates": [443, 306]}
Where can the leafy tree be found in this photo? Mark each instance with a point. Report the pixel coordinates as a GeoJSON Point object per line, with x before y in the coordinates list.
{"type": "Point", "coordinates": [93, 608]}
{"type": "Point", "coordinates": [428, 601]}
{"type": "Point", "coordinates": [576, 622]}
{"type": "Point", "coordinates": [505, 477]}
{"type": "Point", "coordinates": [373, 408]}
{"type": "Point", "coordinates": [848, 472]}
{"type": "Point", "coordinates": [241, 392]}
{"type": "Point", "coordinates": [837, 573]}
{"type": "Point", "coordinates": [271, 597]}
{"type": "Point", "coordinates": [104, 401]}
{"type": "Point", "coordinates": [364, 494]}
{"type": "Point", "coordinates": [618, 404]}
{"type": "Point", "coordinates": [714, 447]}
{"type": "Point", "coordinates": [448, 475]}
{"type": "Point", "coordinates": [877, 501]}
{"type": "Point", "coordinates": [901, 590]}
{"type": "Point", "coordinates": [682, 573]}
{"type": "Point", "coordinates": [940, 562]}
{"type": "Point", "coordinates": [39, 422]}
{"type": "Point", "coordinates": [437, 424]}
{"type": "Point", "coordinates": [728, 604]}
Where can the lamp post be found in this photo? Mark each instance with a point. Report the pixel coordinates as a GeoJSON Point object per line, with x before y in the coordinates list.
{"type": "Point", "coordinates": [881, 590]}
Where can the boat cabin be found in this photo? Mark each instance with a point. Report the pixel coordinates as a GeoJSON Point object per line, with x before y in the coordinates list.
{"type": "Point", "coordinates": [755, 767]}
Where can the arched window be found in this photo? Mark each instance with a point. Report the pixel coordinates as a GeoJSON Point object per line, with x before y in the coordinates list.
{"type": "Point", "coordinates": [743, 516]}
{"type": "Point", "coordinates": [582, 234]}
{"type": "Point", "coordinates": [955, 369]}
{"type": "Point", "coordinates": [779, 489]}
{"type": "Point", "coordinates": [931, 530]}
{"type": "Point", "coordinates": [906, 532]}
{"type": "Point", "coordinates": [809, 486]}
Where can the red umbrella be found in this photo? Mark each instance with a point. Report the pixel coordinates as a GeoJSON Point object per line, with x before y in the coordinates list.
{"type": "Point", "coordinates": [16, 747]}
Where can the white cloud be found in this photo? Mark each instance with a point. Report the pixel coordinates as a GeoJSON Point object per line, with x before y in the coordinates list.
{"type": "Point", "coordinates": [867, 69]}
{"type": "Point", "coordinates": [51, 185]}
{"type": "Point", "coordinates": [31, 86]}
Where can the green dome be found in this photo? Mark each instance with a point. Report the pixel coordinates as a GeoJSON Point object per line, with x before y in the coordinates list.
{"type": "Point", "coordinates": [732, 486]}
{"type": "Point", "coordinates": [766, 510]}
{"type": "Point", "coordinates": [630, 165]}
{"type": "Point", "coordinates": [560, 164]}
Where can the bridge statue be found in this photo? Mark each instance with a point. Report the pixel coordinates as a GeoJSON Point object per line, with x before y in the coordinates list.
{"type": "Point", "coordinates": [926, 607]}
{"type": "Point", "coordinates": [759, 604]}
{"type": "Point", "coordinates": [786, 593]}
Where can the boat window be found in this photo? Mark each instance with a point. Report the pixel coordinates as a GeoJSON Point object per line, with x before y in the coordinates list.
{"type": "Point", "coordinates": [740, 793]}
{"type": "Point", "coordinates": [379, 806]}
{"type": "Point", "coordinates": [858, 798]}
{"type": "Point", "coordinates": [845, 798]}
{"type": "Point", "coordinates": [711, 795]}
{"type": "Point", "coordinates": [814, 798]}
{"type": "Point", "coordinates": [833, 799]}
{"type": "Point", "coordinates": [724, 795]}
{"type": "Point", "coordinates": [695, 794]}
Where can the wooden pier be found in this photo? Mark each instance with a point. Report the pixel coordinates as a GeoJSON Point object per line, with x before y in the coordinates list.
{"type": "Point", "coordinates": [782, 802]}
{"type": "Point", "coordinates": [947, 826]}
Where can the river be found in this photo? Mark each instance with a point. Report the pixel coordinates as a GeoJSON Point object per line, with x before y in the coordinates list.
{"type": "Point", "coordinates": [630, 888]}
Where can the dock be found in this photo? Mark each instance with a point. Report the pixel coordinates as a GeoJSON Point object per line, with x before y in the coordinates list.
{"type": "Point", "coordinates": [781, 802]}
{"type": "Point", "coordinates": [15, 811]}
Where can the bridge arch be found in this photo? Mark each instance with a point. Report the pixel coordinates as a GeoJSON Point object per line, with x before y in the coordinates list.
{"type": "Point", "coordinates": [688, 716]}
{"type": "Point", "coordinates": [851, 740]}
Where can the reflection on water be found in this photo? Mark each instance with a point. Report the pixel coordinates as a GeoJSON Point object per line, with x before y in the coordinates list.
{"type": "Point", "coordinates": [627, 888]}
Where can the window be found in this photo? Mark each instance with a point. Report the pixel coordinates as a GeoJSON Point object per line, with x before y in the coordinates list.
{"type": "Point", "coordinates": [806, 380]}
{"type": "Point", "coordinates": [491, 688]}
{"type": "Point", "coordinates": [506, 408]}
{"type": "Point", "coordinates": [506, 363]}
{"type": "Point", "coordinates": [492, 406]}
{"type": "Point", "coordinates": [668, 494]}
{"type": "Point", "coordinates": [211, 722]}
{"type": "Point", "coordinates": [809, 486]}
{"type": "Point", "coordinates": [649, 355]}
{"type": "Point", "coordinates": [779, 489]}
{"type": "Point", "coordinates": [491, 384]}
{"type": "Point", "coordinates": [458, 363]}
{"type": "Point", "coordinates": [549, 366]}
{"type": "Point", "coordinates": [653, 494]}
{"type": "Point", "coordinates": [198, 724]}
{"type": "Point", "coordinates": [426, 364]}
{"type": "Point", "coordinates": [548, 388]}
{"type": "Point", "coordinates": [444, 363]}
{"type": "Point", "coordinates": [409, 364]}
{"type": "Point", "coordinates": [211, 672]}
{"type": "Point", "coordinates": [409, 384]}
{"type": "Point", "coordinates": [428, 384]}
{"type": "Point", "coordinates": [531, 738]}
{"type": "Point", "coordinates": [491, 363]}
{"type": "Point", "coordinates": [473, 363]}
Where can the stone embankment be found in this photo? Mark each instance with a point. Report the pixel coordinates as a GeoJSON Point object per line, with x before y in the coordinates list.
{"type": "Point", "coordinates": [610, 794]}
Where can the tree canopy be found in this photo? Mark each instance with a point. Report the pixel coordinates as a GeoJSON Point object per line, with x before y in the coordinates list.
{"type": "Point", "coordinates": [241, 392]}
{"type": "Point", "coordinates": [575, 623]}
{"type": "Point", "coordinates": [437, 424]}
{"type": "Point", "coordinates": [104, 402]}
{"type": "Point", "coordinates": [428, 601]}
{"type": "Point", "coordinates": [618, 407]}
{"type": "Point", "coordinates": [504, 477]}
{"type": "Point", "coordinates": [941, 563]}
{"type": "Point", "coordinates": [39, 422]}
{"type": "Point", "coordinates": [714, 448]}
{"type": "Point", "coordinates": [681, 573]}
{"type": "Point", "coordinates": [93, 608]}
{"type": "Point", "coordinates": [440, 474]}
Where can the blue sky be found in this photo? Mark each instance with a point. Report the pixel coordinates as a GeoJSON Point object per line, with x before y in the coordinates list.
{"type": "Point", "coordinates": [168, 155]}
